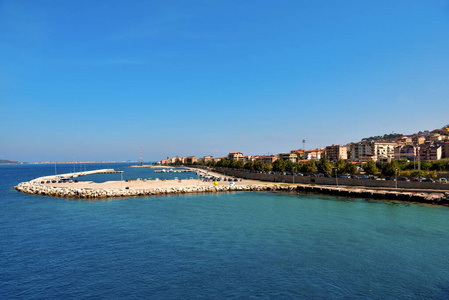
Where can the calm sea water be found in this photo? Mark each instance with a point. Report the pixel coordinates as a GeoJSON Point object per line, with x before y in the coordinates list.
{"type": "Point", "coordinates": [237, 245]}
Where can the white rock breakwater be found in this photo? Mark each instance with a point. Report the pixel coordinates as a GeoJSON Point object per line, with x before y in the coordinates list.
{"type": "Point", "coordinates": [46, 190]}
{"type": "Point", "coordinates": [82, 192]}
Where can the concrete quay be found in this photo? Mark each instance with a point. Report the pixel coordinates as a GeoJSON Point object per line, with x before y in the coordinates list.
{"type": "Point", "coordinates": [73, 175]}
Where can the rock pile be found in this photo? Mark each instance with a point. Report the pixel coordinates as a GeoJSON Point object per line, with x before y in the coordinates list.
{"type": "Point", "coordinates": [40, 189]}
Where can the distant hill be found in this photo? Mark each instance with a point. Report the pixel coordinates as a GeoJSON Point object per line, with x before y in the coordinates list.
{"type": "Point", "coordinates": [391, 136]}
{"type": "Point", "coordinates": [6, 161]}
{"type": "Point", "coordinates": [442, 131]}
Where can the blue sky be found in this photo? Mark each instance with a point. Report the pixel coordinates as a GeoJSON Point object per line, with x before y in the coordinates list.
{"type": "Point", "coordinates": [96, 80]}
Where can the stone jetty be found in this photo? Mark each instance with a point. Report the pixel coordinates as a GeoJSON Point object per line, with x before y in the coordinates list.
{"type": "Point", "coordinates": [34, 187]}
{"type": "Point", "coordinates": [73, 175]}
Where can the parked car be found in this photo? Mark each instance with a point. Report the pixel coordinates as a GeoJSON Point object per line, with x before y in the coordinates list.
{"type": "Point", "coordinates": [403, 178]}
{"type": "Point", "coordinates": [355, 177]}
{"type": "Point", "coordinates": [345, 176]}
{"type": "Point", "coordinates": [442, 180]}
{"type": "Point", "coordinates": [365, 177]}
{"type": "Point", "coordinates": [320, 175]}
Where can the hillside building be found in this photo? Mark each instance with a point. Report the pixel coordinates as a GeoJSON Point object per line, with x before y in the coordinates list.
{"type": "Point", "coordinates": [236, 156]}
{"type": "Point", "coordinates": [288, 157]}
{"type": "Point", "coordinates": [336, 152]}
{"type": "Point", "coordinates": [375, 151]}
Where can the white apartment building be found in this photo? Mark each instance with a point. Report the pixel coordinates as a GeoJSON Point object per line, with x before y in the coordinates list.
{"type": "Point", "coordinates": [365, 151]}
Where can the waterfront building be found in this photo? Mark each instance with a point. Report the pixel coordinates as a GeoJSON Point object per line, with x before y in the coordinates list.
{"type": "Point", "coordinates": [267, 159]}
{"type": "Point", "coordinates": [445, 146]}
{"type": "Point", "coordinates": [248, 158]}
{"type": "Point", "coordinates": [207, 158]}
{"type": "Point", "coordinates": [189, 159]}
{"type": "Point", "coordinates": [336, 152]}
{"type": "Point", "coordinates": [376, 151]}
{"type": "Point", "coordinates": [434, 137]}
{"type": "Point", "coordinates": [298, 152]}
{"type": "Point", "coordinates": [430, 151]}
{"type": "Point", "coordinates": [235, 156]}
{"type": "Point", "coordinates": [174, 160]}
{"type": "Point", "coordinates": [315, 154]}
{"type": "Point", "coordinates": [409, 152]}
{"type": "Point", "coordinates": [288, 157]}
{"type": "Point", "coordinates": [404, 140]}
{"type": "Point", "coordinates": [418, 140]}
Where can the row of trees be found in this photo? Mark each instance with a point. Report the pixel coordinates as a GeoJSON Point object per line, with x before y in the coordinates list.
{"type": "Point", "coordinates": [438, 165]}
{"type": "Point", "coordinates": [340, 166]}
{"type": "Point", "coordinates": [320, 166]}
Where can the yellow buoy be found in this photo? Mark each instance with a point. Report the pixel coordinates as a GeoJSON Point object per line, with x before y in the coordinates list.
{"type": "Point", "coordinates": [216, 183]}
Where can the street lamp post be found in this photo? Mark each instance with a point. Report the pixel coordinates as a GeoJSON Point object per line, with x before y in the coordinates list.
{"type": "Point", "coordinates": [293, 174]}
{"type": "Point", "coordinates": [396, 177]}
{"type": "Point", "coordinates": [336, 177]}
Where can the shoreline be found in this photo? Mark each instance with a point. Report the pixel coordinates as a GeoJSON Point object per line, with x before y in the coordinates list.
{"type": "Point", "coordinates": [118, 189]}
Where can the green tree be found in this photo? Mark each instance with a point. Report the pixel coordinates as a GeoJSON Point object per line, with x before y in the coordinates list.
{"type": "Point", "coordinates": [370, 168]}
{"type": "Point", "coordinates": [425, 165]}
{"type": "Point", "coordinates": [266, 167]}
{"type": "Point", "coordinates": [324, 166]}
{"type": "Point", "coordinates": [340, 165]}
{"type": "Point", "coordinates": [239, 164]}
{"type": "Point", "coordinates": [233, 164]}
{"type": "Point", "coordinates": [249, 165]}
{"type": "Point", "coordinates": [408, 166]}
{"type": "Point", "coordinates": [224, 163]}
{"type": "Point", "coordinates": [299, 166]}
{"type": "Point", "coordinates": [405, 173]}
{"type": "Point", "coordinates": [279, 165]}
{"type": "Point", "coordinates": [437, 166]}
{"type": "Point", "coordinates": [308, 167]}
{"type": "Point", "coordinates": [289, 165]}
{"type": "Point", "coordinates": [389, 169]}
{"type": "Point", "coordinates": [432, 174]}
{"type": "Point", "coordinates": [350, 168]}
{"type": "Point", "coordinates": [258, 165]}
{"type": "Point", "coordinates": [417, 173]}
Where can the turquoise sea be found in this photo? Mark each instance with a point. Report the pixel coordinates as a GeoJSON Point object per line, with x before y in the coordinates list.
{"type": "Point", "coordinates": [213, 246]}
